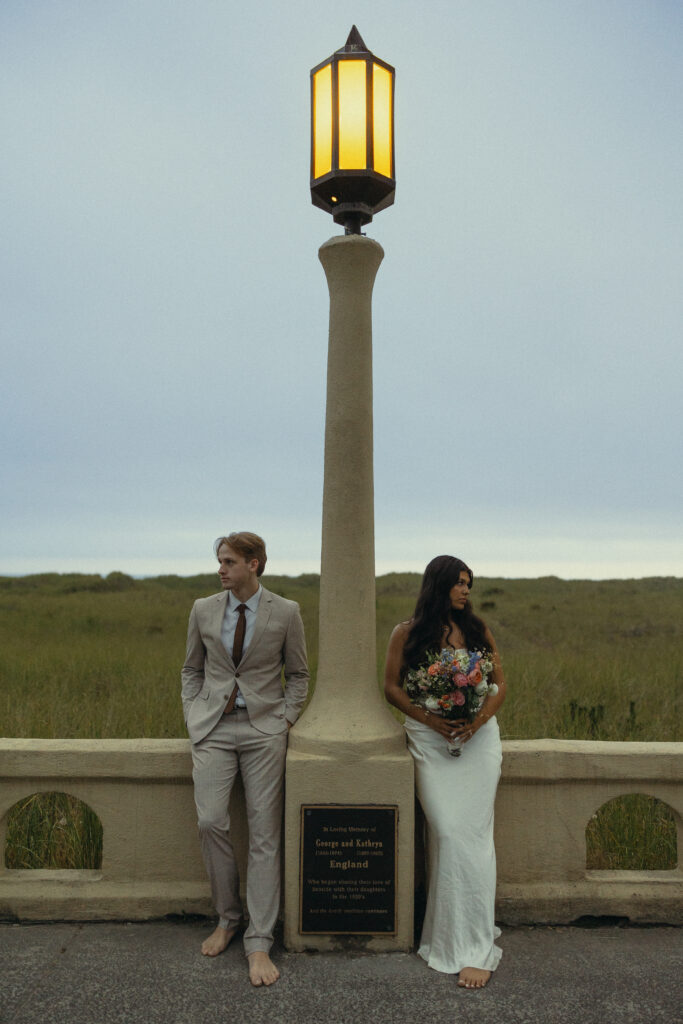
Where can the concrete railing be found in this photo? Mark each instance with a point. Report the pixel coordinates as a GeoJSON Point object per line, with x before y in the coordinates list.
{"type": "Point", "coordinates": [549, 792]}
{"type": "Point", "coordinates": [142, 792]}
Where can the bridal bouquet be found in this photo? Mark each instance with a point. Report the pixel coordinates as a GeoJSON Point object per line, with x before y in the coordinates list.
{"type": "Point", "coordinates": [453, 683]}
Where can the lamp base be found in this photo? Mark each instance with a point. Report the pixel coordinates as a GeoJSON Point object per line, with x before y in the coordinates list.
{"type": "Point", "coordinates": [353, 216]}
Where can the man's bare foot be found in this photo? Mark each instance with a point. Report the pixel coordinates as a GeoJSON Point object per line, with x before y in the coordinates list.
{"type": "Point", "coordinates": [262, 970]}
{"type": "Point", "coordinates": [217, 941]}
{"type": "Point", "coordinates": [473, 977]}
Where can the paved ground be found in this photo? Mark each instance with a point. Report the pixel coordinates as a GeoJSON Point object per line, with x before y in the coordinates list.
{"type": "Point", "coordinates": [152, 972]}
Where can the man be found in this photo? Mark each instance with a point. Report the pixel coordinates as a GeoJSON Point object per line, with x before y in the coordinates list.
{"type": "Point", "coordinates": [238, 718]}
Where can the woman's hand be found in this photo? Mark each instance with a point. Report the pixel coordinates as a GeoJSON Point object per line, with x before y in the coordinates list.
{"type": "Point", "coordinates": [461, 730]}
{"type": "Point", "coordinates": [439, 724]}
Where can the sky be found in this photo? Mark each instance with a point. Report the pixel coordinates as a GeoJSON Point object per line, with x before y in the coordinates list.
{"type": "Point", "coordinates": [164, 314]}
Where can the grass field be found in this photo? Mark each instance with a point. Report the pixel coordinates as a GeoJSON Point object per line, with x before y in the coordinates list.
{"type": "Point", "coordinates": [83, 656]}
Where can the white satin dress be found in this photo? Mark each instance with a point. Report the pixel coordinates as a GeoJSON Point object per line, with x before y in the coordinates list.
{"type": "Point", "coordinates": [457, 795]}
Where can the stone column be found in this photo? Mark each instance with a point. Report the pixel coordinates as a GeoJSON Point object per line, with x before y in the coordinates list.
{"type": "Point", "coordinates": [348, 748]}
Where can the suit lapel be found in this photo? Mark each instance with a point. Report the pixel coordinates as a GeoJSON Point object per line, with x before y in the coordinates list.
{"type": "Point", "coordinates": [262, 617]}
{"type": "Point", "coordinates": [216, 624]}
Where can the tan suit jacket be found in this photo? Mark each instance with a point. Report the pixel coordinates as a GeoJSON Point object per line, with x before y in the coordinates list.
{"type": "Point", "coordinates": [209, 674]}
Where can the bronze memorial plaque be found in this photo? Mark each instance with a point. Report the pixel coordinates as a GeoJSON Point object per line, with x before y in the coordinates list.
{"type": "Point", "coordinates": [348, 869]}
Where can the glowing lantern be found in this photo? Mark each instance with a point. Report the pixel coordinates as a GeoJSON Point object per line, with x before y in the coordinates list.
{"type": "Point", "coordinates": [352, 134]}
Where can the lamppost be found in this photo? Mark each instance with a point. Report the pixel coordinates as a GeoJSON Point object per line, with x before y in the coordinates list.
{"type": "Point", "coordinates": [347, 753]}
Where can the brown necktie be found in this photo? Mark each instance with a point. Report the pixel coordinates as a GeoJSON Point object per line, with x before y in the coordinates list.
{"type": "Point", "coordinates": [240, 629]}
{"type": "Point", "coordinates": [237, 645]}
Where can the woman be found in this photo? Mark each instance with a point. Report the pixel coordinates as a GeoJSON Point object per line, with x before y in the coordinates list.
{"type": "Point", "coordinates": [457, 793]}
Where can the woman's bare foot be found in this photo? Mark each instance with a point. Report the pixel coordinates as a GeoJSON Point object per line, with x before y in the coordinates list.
{"type": "Point", "coordinates": [262, 970]}
{"type": "Point", "coordinates": [217, 941]}
{"type": "Point", "coordinates": [473, 977]}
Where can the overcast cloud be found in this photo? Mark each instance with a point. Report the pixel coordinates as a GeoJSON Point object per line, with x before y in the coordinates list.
{"type": "Point", "coordinates": [164, 313]}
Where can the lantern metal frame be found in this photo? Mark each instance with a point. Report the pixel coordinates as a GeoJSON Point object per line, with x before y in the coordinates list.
{"type": "Point", "coordinates": [352, 196]}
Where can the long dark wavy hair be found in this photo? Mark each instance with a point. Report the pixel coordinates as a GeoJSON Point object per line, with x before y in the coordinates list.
{"type": "Point", "coordinates": [433, 612]}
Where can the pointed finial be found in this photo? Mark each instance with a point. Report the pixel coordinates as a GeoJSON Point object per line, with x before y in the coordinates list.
{"type": "Point", "coordinates": [354, 44]}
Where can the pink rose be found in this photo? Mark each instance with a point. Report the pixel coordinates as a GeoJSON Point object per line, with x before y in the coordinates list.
{"type": "Point", "coordinates": [459, 698]}
{"type": "Point", "coordinates": [475, 676]}
{"type": "Point", "coordinates": [460, 680]}
{"type": "Point", "coordinates": [434, 669]}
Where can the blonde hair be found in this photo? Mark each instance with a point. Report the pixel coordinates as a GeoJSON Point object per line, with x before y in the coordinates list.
{"type": "Point", "coordinates": [248, 545]}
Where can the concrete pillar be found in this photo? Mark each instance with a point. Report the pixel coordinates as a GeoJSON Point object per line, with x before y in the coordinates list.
{"type": "Point", "coordinates": [348, 748]}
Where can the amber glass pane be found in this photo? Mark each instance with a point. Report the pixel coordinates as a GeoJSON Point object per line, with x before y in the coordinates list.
{"type": "Point", "coordinates": [352, 115]}
{"type": "Point", "coordinates": [382, 116]}
{"type": "Point", "coordinates": [322, 121]}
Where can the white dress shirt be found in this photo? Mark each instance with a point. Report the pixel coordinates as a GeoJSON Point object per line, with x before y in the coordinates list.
{"type": "Point", "coordinates": [229, 626]}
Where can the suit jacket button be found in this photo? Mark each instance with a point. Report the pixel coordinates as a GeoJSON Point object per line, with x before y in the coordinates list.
{"type": "Point", "coordinates": [226, 696]}
{"type": "Point", "coordinates": [237, 675]}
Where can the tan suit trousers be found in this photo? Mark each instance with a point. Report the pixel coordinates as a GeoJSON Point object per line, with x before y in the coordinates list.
{"type": "Point", "coordinates": [233, 746]}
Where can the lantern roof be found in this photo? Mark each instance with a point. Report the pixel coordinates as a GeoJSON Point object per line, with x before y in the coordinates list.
{"type": "Point", "coordinates": [354, 44]}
